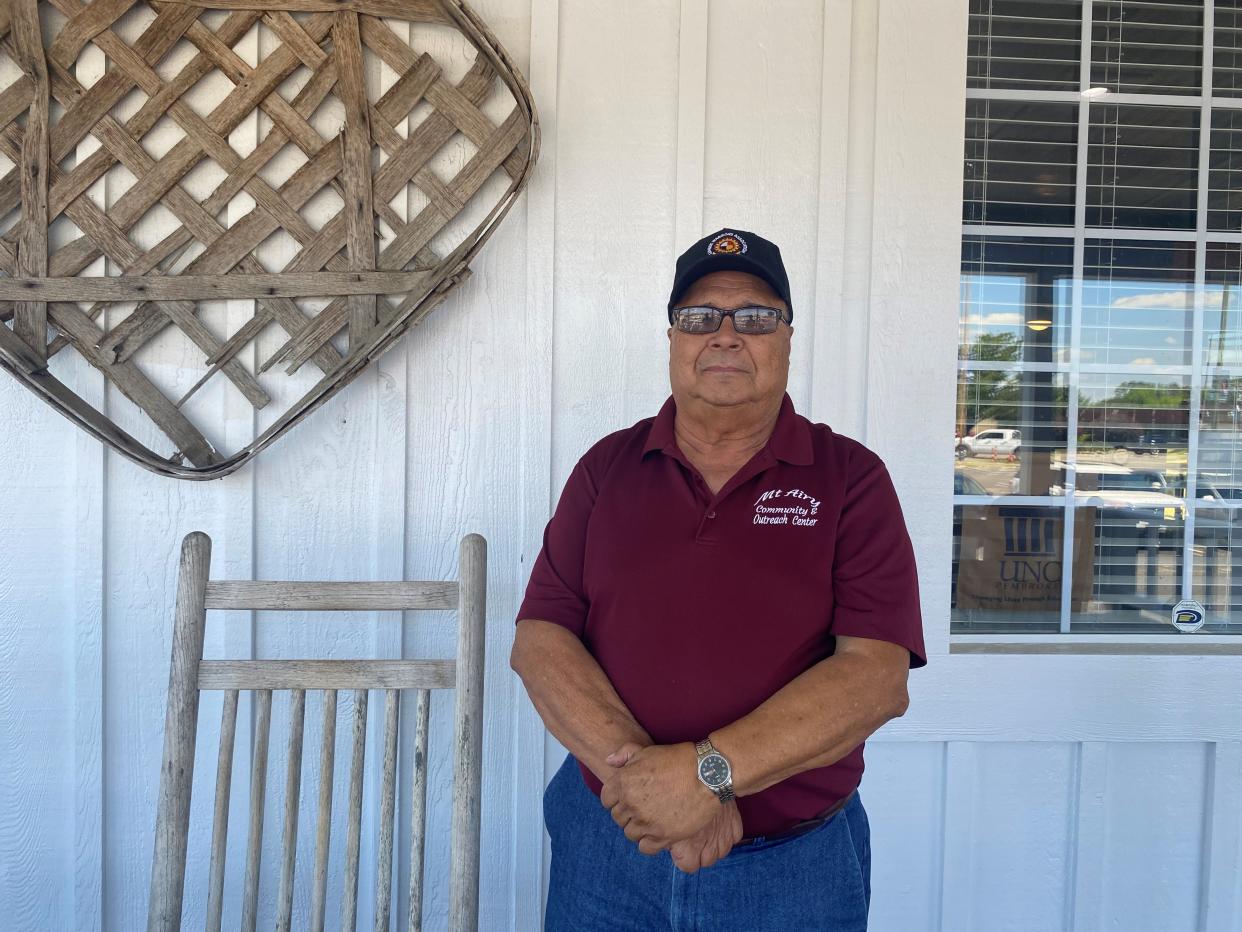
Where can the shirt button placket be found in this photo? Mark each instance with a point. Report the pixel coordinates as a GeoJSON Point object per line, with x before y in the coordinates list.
{"type": "Point", "coordinates": [707, 526]}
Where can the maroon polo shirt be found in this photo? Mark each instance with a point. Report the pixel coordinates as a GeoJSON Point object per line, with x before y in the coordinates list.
{"type": "Point", "coordinates": [699, 607]}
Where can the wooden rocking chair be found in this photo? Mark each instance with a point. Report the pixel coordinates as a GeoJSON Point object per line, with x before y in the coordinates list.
{"type": "Point", "coordinates": [190, 674]}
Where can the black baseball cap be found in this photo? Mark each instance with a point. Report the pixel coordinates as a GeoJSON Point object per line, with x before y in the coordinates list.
{"type": "Point", "coordinates": [731, 250]}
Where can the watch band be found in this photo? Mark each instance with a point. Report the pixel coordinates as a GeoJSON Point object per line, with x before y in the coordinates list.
{"type": "Point", "coordinates": [723, 793]}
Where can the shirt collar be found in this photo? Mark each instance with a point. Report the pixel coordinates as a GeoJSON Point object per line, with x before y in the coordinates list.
{"type": "Point", "coordinates": [790, 441]}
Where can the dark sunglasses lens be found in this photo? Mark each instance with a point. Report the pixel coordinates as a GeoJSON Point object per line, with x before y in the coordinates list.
{"type": "Point", "coordinates": [698, 320]}
{"type": "Point", "coordinates": [755, 320]}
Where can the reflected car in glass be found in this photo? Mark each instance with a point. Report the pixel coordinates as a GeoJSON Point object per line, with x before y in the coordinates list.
{"type": "Point", "coordinates": [1003, 441]}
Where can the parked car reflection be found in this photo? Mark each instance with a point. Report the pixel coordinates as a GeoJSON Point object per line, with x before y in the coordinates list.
{"type": "Point", "coordinates": [1133, 520]}
{"type": "Point", "coordinates": [965, 485]}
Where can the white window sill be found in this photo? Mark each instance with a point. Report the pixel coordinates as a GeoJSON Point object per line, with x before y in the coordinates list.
{"type": "Point", "coordinates": [1169, 644]}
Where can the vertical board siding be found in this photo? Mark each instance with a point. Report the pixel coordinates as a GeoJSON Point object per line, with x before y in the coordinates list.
{"type": "Point", "coordinates": [1018, 793]}
{"type": "Point", "coordinates": [615, 177]}
{"type": "Point", "coordinates": [1018, 835]}
{"type": "Point", "coordinates": [528, 862]}
{"type": "Point", "coordinates": [959, 859]}
{"type": "Point", "coordinates": [833, 328]}
{"type": "Point", "coordinates": [36, 634]}
{"type": "Point", "coordinates": [144, 520]}
{"type": "Point", "coordinates": [88, 597]}
{"type": "Point", "coordinates": [463, 475]}
{"type": "Point", "coordinates": [1222, 881]}
{"type": "Point", "coordinates": [903, 790]}
{"type": "Point", "coordinates": [763, 142]}
{"type": "Point", "coordinates": [1154, 835]}
{"type": "Point", "coordinates": [912, 292]}
{"type": "Point", "coordinates": [1083, 908]}
{"type": "Point", "coordinates": [692, 76]}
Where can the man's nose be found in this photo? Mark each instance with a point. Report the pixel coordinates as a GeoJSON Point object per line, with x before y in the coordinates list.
{"type": "Point", "coordinates": [726, 337]}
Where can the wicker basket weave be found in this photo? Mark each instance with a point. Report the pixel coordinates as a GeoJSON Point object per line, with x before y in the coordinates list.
{"type": "Point", "coordinates": [350, 214]}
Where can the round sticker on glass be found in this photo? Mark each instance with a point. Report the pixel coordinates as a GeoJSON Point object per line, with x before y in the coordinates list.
{"type": "Point", "coordinates": [1188, 616]}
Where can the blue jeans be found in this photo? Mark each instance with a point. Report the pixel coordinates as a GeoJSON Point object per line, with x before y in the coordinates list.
{"type": "Point", "coordinates": [820, 880]}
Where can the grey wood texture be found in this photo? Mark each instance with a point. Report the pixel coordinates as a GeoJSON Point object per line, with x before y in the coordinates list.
{"type": "Point", "coordinates": [418, 809]}
{"type": "Point", "coordinates": [174, 288]}
{"type": "Point", "coordinates": [220, 820]}
{"type": "Point", "coordinates": [172, 820]}
{"type": "Point", "coordinates": [258, 796]}
{"type": "Point", "coordinates": [353, 827]}
{"type": "Point", "coordinates": [326, 674]}
{"type": "Point", "coordinates": [331, 596]}
{"type": "Point", "coordinates": [376, 288]}
{"type": "Point", "coordinates": [30, 321]}
{"type": "Point", "coordinates": [323, 812]}
{"type": "Point", "coordinates": [289, 837]}
{"type": "Point", "coordinates": [356, 167]}
{"type": "Point", "coordinates": [468, 732]}
{"type": "Point", "coordinates": [388, 802]}
{"type": "Point", "coordinates": [190, 673]}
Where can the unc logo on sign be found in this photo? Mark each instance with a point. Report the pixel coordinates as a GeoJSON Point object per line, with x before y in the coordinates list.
{"type": "Point", "coordinates": [1188, 616]}
{"type": "Point", "coordinates": [1030, 549]}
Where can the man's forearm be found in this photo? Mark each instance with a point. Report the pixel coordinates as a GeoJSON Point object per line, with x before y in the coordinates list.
{"type": "Point", "coordinates": [815, 720]}
{"type": "Point", "coordinates": [572, 695]}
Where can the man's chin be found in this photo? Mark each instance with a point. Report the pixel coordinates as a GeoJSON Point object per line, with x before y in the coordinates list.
{"type": "Point", "coordinates": [725, 399]}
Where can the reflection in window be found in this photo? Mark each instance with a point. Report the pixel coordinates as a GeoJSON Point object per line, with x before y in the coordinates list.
{"type": "Point", "coordinates": [1218, 569]}
{"type": "Point", "coordinates": [1225, 172]}
{"type": "Point", "coordinates": [1137, 303]}
{"type": "Point", "coordinates": [1141, 167]}
{"type": "Point", "coordinates": [1222, 310]}
{"type": "Point", "coordinates": [1020, 162]}
{"type": "Point", "coordinates": [1098, 430]}
{"type": "Point", "coordinates": [1128, 552]}
{"type": "Point", "coordinates": [1227, 58]}
{"type": "Point", "coordinates": [1016, 47]}
{"type": "Point", "coordinates": [1015, 299]}
{"type": "Point", "coordinates": [1219, 461]}
{"type": "Point", "coordinates": [1220, 406]}
{"type": "Point", "coordinates": [1007, 563]}
{"type": "Point", "coordinates": [1014, 429]}
{"type": "Point", "coordinates": [1124, 413]}
{"type": "Point", "coordinates": [1139, 46]}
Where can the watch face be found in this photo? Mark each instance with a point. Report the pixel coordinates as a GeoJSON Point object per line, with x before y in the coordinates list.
{"type": "Point", "coordinates": [714, 770]}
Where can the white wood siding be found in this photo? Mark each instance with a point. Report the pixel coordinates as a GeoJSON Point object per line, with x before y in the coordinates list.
{"type": "Point", "coordinates": [1054, 792]}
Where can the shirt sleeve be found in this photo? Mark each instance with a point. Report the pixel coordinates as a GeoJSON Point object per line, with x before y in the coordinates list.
{"type": "Point", "coordinates": [875, 579]}
{"type": "Point", "coordinates": [555, 592]}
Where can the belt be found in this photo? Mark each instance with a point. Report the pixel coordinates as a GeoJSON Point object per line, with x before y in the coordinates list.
{"type": "Point", "coordinates": [802, 828]}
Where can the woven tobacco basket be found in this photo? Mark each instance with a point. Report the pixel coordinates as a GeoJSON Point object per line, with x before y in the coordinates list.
{"type": "Point", "coordinates": [141, 235]}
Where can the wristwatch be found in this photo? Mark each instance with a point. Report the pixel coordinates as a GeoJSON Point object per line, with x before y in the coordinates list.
{"type": "Point", "coordinates": [714, 771]}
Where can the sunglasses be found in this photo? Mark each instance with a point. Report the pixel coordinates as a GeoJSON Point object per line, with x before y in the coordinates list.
{"type": "Point", "coordinates": [750, 320]}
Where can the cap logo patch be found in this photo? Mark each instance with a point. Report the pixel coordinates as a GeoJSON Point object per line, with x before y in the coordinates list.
{"type": "Point", "coordinates": [726, 244]}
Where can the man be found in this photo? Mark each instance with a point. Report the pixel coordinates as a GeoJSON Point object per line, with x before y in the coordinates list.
{"type": "Point", "coordinates": [724, 609]}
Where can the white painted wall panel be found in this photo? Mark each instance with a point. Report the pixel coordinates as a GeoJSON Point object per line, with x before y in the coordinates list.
{"type": "Point", "coordinates": [144, 521]}
{"type": "Point", "coordinates": [762, 144]}
{"type": "Point", "coordinates": [614, 222]}
{"type": "Point", "coordinates": [1047, 792]}
{"type": "Point", "coordinates": [1019, 835]}
{"type": "Point", "coordinates": [903, 791]}
{"type": "Point", "coordinates": [1154, 835]}
{"type": "Point", "coordinates": [36, 658]}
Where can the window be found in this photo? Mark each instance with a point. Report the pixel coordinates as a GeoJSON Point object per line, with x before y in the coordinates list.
{"type": "Point", "coordinates": [1098, 436]}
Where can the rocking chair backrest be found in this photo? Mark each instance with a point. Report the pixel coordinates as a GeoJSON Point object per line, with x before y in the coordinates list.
{"type": "Point", "coordinates": [190, 674]}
